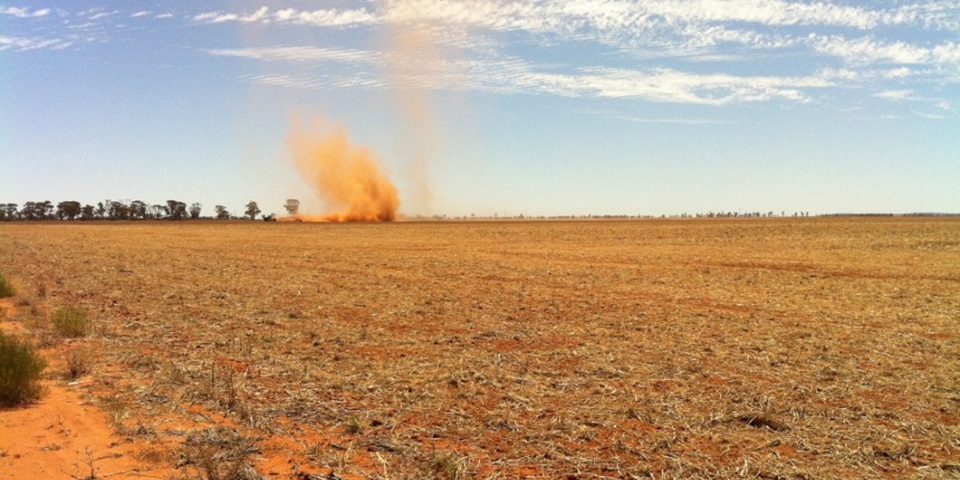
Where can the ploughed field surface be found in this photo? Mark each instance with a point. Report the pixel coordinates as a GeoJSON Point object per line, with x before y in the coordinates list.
{"type": "Point", "coordinates": [770, 348]}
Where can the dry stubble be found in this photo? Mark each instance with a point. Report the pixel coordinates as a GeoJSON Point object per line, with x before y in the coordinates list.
{"type": "Point", "coordinates": [810, 348]}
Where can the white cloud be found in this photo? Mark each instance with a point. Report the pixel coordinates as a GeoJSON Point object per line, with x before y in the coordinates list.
{"type": "Point", "coordinates": [20, 12]}
{"type": "Point", "coordinates": [316, 82]}
{"type": "Point", "coordinates": [320, 18]}
{"type": "Point", "coordinates": [868, 50]}
{"type": "Point", "coordinates": [97, 14]}
{"type": "Point", "coordinates": [299, 54]}
{"type": "Point", "coordinates": [764, 12]}
{"type": "Point", "coordinates": [673, 27]}
{"type": "Point", "coordinates": [667, 121]}
{"type": "Point", "coordinates": [215, 17]}
{"type": "Point", "coordinates": [288, 81]}
{"type": "Point", "coordinates": [326, 18]}
{"type": "Point", "coordinates": [930, 116]}
{"type": "Point", "coordinates": [673, 51]}
{"type": "Point", "coordinates": [21, 44]}
{"type": "Point", "coordinates": [15, 12]}
{"type": "Point", "coordinates": [667, 85]}
{"type": "Point", "coordinates": [515, 76]}
{"type": "Point", "coordinates": [677, 51]}
{"type": "Point", "coordinates": [260, 16]}
{"type": "Point", "coordinates": [606, 15]}
{"type": "Point", "coordinates": [622, 17]}
{"type": "Point", "coordinates": [894, 94]}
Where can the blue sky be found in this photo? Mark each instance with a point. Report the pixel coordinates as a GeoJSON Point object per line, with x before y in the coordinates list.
{"type": "Point", "coordinates": [537, 107]}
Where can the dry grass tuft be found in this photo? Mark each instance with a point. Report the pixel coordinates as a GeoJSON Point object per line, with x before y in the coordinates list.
{"type": "Point", "coordinates": [70, 322]}
{"type": "Point", "coordinates": [220, 454]}
{"type": "Point", "coordinates": [446, 466]}
{"type": "Point", "coordinates": [757, 420]}
{"type": "Point", "coordinates": [79, 362]}
{"type": "Point", "coordinates": [6, 288]}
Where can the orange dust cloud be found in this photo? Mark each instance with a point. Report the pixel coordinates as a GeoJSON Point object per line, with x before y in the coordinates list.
{"type": "Point", "coordinates": [346, 177]}
{"type": "Point", "coordinates": [415, 54]}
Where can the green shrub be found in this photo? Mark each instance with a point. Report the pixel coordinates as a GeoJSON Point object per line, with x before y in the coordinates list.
{"type": "Point", "coordinates": [20, 370]}
{"type": "Point", "coordinates": [6, 289]}
{"type": "Point", "coordinates": [70, 322]}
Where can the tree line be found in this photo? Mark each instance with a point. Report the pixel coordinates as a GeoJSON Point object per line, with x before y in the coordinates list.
{"type": "Point", "coordinates": [129, 210]}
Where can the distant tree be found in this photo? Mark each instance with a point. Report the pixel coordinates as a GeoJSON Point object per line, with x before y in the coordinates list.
{"type": "Point", "coordinates": [37, 210]}
{"type": "Point", "coordinates": [138, 209]}
{"type": "Point", "coordinates": [195, 210]}
{"type": "Point", "coordinates": [9, 211]}
{"type": "Point", "coordinates": [101, 210]}
{"type": "Point", "coordinates": [30, 211]}
{"type": "Point", "coordinates": [87, 212]}
{"type": "Point", "coordinates": [222, 213]}
{"type": "Point", "coordinates": [68, 210]}
{"type": "Point", "coordinates": [159, 211]}
{"type": "Point", "coordinates": [117, 210]}
{"type": "Point", "coordinates": [177, 209]}
{"type": "Point", "coordinates": [46, 209]}
{"type": "Point", "coordinates": [252, 210]}
{"type": "Point", "coordinates": [292, 206]}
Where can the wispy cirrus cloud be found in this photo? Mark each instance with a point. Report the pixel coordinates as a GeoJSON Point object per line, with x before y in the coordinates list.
{"type": "Point", "coordinates": [666, 28]}
{"type": "Point", "coordinates": [59, 28]}
{"type": "Point", "coordinates": [22, 44]}
{"type": "Point", "coordinates": [24, 12]}
{"type": "Point", "coordinates": [314, 82]}
{"type": "Point", "coordinates": [515, 76]}
{"type": "Point", "coordinates": [300, 54]}
{"type": "Point", "coordinates": [658, 120]}
{"type": "Point", "coordinates": [326, 17]}
{"type": "Point", "coordinates": [894, 94]}
{"type": "Point", "coordinates": [867, 50]}
{"type": "Point", "coordinates": [610, 15]}
{"type": "Point", "coordinates": [705, 52]}
{"type": "Point", "coordinates": [319, 17]}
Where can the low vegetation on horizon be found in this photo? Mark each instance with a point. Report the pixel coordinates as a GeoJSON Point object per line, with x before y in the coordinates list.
{"type": "Point", "coordinates": [128, 210]}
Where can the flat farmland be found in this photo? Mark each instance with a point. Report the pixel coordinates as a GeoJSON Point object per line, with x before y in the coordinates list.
{"type": "Point", "coordinates": [761, 348]}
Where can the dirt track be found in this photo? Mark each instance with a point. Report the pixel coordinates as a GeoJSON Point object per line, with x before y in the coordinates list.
{"type": "Point", "coordinates": [807, 348]}
{"type": "Point", "coordinates": [63, 436]}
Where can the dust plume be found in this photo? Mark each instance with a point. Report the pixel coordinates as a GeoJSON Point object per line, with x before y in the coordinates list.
{"type": "Point", "coordinates": [345, 176]}
{"type": "Point", "coordinates": [417, 60]}
{"type": "Point", "coordinates": [415, 64]}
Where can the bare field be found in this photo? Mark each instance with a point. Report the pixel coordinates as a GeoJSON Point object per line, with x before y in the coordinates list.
{"type": "Point", "coordinates": [766, 348]}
